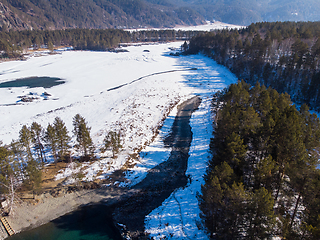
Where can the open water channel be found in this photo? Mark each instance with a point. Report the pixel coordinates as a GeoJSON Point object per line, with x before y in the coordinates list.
{"type": "Point", "coordinates": [33, 82]}
{"type": "Point", "coordinates": [92, 222]}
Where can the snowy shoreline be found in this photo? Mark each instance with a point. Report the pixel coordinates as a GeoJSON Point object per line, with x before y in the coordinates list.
{"type": "Point", "coordinates": [28, 216]}
{"type": "Point", "coordinates": [138, 108]}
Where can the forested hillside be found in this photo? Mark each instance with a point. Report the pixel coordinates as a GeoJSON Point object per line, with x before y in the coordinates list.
{"type": "Point", "coordinates": [284, 56]}
{"type": "Point", "coordinates": [262, 180]}
{"type": "Point", "coordinates": [60, 14]}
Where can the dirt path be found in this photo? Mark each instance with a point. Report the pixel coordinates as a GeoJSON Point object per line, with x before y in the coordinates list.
{"type": "Point", "coordinates": [163, 179]}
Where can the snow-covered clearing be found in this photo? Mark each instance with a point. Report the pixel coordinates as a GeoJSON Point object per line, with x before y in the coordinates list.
{"type": "Point", "coordinates": [135, 109]}
{"type": "Point", "coordinates": [206, 27]}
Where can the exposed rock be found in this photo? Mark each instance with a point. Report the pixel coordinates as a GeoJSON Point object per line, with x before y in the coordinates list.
{"type": "Point", "coordinates": [28, 99]}
{"type": "Point", "coordinates": [9, 20]}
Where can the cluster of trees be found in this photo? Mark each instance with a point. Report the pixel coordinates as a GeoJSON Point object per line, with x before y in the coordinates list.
{"type": "Point", "coordinates": [13, 43]}
{"type": "Point", "coordinates": [283, 55]}
{"type": "Point", "coordinates": [21, 161]}
{"type": "Point", "coordinates": [162, 35]}
{"type": "Point", "coordinates": [262, 180]}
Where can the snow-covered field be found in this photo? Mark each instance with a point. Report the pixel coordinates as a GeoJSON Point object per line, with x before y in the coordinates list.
{"type": "Point", "coordinates": [206, 27]}
{"type": "Point", "coordinates": [136, 109]}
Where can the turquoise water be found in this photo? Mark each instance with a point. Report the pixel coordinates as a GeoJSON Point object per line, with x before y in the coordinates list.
{"type": "Point", "coordinates": [87, 223]}
{"type": "Point", "coordinates": [33, 82]}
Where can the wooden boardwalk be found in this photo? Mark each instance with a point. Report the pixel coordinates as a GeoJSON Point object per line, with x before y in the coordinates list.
{"type": "Point", "coordinates": [7, 226]}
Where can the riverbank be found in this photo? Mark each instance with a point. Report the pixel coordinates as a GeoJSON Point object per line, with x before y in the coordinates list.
{"type": "Point", "coordinates": [30, 215]}
{"type": "Point", "coordinates": [162, 180]}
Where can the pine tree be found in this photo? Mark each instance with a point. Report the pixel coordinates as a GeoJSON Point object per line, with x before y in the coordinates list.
{"type": "Point", "coordinates": [311, 219]}
{"type": "Point", "coordinates": [236, 207]}
{"type": "Point", "coordinates": [212, 201]}
{"type": "Point", "coordinates": [82, 133]}
{"type": "Point", "coordinates": [17, 152]}
{"type": "Point", "coordinates": [261, 215]}
{"type": "Point", "coordinates": [6, 161]}
{"type": "Point", "coordinates": [25, 139]}
{"type": "Point", "coordinates": [51, 139]}
{"type": "Point", "coordinates": [112, 141]}
{"type": "Point", "coordinates": [9, 174]}
{"type": "Point", "coordinates": [37, 135]}
{"type": "Point", "coordinates": [62, 137]}
{"type": "Point", "coordinates": [50, 46]}
{"type": "Point", "coordinates": [235, 152]}
{"type": "Point", "coordinates": [265, 173]}
{"type": "Point", "coordinates": [184, 46]}
{"type": "Point", "coordinates": [33, 175]}
{"type": "Point", "coordinates": [288, 144]}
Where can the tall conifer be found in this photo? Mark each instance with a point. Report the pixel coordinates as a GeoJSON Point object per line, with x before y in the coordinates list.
{"type": "Point", "coordinates": [63, 138]}
{"type": "Point", "coordinates": [51, 140]}
{"type": "Point", "coordinates": [82, 133]}
{"type": "Point", "coordinates": [37, 136]}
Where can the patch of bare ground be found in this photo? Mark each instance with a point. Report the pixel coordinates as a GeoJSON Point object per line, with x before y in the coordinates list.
{"type": "Point", "coordinates": [58, 200]}
{"type": "Point", "coordinates": [54, 200]}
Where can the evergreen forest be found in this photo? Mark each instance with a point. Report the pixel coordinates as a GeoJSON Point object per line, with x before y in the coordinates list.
{"type": "Point", "coordinates": [96, 14]}
{"type": "Point", "coordinates": [14, 44]}
{"type": "Point", "coordinates": [262, 180]}
{"type": "Point", "coordinates": [283, 55]}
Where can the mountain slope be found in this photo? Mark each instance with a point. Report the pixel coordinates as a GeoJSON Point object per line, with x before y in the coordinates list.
{"type": "Point", "coordinates": [59, 14]}
{"type": "Point", "coordinates": [247, 11]}
{"type": "Point", "coordinates": [9, 19]}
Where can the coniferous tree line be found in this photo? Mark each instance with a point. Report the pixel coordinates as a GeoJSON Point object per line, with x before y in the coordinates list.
{"type": "Point", "coordinates": [13, 43]}
{"type": "Point", "coordinates": [283, 55]}
{"type": "Point", "coordinates": [22, 161]}
{"type": "Point", "coordinates": [262, 180]}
